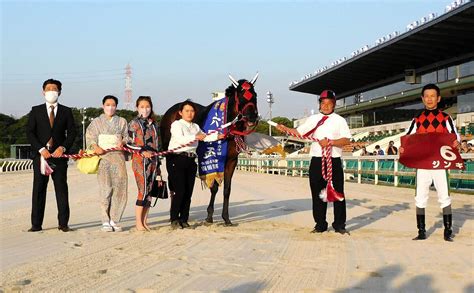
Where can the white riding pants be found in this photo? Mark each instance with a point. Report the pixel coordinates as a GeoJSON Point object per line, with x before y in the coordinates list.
{"type": "Point", "coordinates": [424, 178]}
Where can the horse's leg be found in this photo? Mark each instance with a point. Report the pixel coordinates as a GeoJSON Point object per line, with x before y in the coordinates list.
{"type": "Point", "coordinates": [229, 172]}
{"type": "Point", "coordinates": [210, 208]}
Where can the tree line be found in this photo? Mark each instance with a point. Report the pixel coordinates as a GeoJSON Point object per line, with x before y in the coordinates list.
{"type": "Point", "coordinates": [13, 131]}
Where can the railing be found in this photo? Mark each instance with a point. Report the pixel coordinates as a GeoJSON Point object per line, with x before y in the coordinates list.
{"type": "Point", "coordinates": [295, 166]}
{"type": "Point", "coordinates": [376, 169]}
{"type": "Point", "coordinates": [15, 165]}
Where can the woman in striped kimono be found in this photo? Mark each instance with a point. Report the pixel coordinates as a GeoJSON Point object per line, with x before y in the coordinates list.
{"type": "Point", "coordinates": [143, 133]}
{"type": "Point", "coordinates": [108, 131]}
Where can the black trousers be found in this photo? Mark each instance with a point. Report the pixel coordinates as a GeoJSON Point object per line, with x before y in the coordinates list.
{"type": "Point", "coordinates": [182, 173]}
{"type": "Point", "coordinates": [40, 185]}
{"type": "Point", "coordinates": [317, 184]}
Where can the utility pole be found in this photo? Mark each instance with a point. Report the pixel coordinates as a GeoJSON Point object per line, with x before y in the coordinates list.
{"type": "Point", "coordinates": [128, 87]}
{"type": "Point", "coordinates": [83, 112]}
{"type": "Point", "coordinates": [270, 101]}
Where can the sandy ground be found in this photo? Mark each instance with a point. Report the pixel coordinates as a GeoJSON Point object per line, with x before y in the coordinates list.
{"type": "Point", "coordinates": [269, 249]}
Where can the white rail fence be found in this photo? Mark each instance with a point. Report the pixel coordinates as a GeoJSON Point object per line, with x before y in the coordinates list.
{"type": "Point", "coordinates": [15, 165]}
{"type": "Point", "coordinates": [374, 169]}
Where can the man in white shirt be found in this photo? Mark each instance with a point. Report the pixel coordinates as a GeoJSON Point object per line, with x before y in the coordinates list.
{"type": "Point", "coordinates": [329, 128]}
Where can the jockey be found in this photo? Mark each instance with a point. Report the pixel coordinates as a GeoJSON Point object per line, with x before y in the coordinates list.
{"type": "Point", "coordinates": [429, 121]}
{"type": "Point", "coordinates": [330, 129]}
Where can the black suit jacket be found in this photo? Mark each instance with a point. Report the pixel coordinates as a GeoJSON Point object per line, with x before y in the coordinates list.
{"type": "Point", "coordinates": [39, 130]}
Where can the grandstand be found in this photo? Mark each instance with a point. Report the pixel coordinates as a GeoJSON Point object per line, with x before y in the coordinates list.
{"type": "Point", "coordinates": [379, 102]}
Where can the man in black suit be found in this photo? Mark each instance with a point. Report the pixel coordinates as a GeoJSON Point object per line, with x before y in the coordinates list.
{"type": "Point", "coordinates": [51, 132]}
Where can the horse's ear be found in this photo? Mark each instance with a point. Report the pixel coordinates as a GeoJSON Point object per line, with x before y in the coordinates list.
{"type": "Point", "coordinates": [234, 82]}
{"type": "Point", "coordinates": [254, 79]}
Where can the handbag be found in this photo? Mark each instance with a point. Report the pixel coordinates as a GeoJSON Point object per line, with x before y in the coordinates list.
{"type": "Point", "coordinates": [88, 165]}
{"type": "Point", "coordinates": [159, 192]}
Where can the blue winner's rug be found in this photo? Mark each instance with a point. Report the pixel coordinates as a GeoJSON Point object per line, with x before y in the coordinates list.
{"type": "Point", "coordinates": [212, 155]}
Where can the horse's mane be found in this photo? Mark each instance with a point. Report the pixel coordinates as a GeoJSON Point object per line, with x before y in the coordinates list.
{"type": "Point", "coordinates": [202, 115]}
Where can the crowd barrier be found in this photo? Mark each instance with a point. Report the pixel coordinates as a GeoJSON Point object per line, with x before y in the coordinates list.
{"type": "Point", "coordinates": [367, 169]}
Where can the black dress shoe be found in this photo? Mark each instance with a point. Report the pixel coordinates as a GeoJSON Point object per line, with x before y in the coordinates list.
{"type": "Point", "coordinates": [185, 225]}
{"type": "Point", "coordinates": [318, 230]}
{"type": "Point", "coordinates": [341, 231]}
{"type": "Point", "coordinates": [64, 228]}
{"type": "Point", "coordinates": [176, 225]}
{"type": "Point", "coordinates": [35, 229]}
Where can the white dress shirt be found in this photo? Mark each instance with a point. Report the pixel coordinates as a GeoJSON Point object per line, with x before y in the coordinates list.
{"type": "Point", "coordinates": [183, 132]}
{"type": "Point", "coordinates": [335, 127]}
{"type": "Point", "coordinates": [48, 109]}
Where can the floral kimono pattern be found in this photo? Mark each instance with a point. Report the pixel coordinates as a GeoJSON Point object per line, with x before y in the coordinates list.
{"type": "Point", "coordinates": [143, 135]}
{"type": "Point", "coordinates": [112, 173]}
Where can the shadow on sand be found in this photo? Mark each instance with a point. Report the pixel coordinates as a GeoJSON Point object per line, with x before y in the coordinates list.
{"type": "Point", "coordinates": [374, 215]}
{"type": "Point", "coordinates": [252, 210]}
{"type": "Point", "coordinates": [246, 287]}
{"type": "Point", "coordinates": [460, 216]}
{"type": "Point", "coordinates": [380, 281]}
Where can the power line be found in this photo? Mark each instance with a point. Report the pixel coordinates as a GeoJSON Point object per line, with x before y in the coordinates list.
{"type": "Point", "coordinates": [69, 81]}
{"type": "Point", "coordinates": [68, 78]}
{"type": "Point", "coordinates": [63, 73]}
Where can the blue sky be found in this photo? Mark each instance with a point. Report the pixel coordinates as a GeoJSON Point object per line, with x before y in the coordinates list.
{"type": "Point", "coordinates": [184, 49]}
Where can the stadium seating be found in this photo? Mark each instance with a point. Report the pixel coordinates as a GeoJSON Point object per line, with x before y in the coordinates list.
{"type": "Point", "coordinates": [376, 137]}
{"type": "Point", "coordinates": [463, 183]}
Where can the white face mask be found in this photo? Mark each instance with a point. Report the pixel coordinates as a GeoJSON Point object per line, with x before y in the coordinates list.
{"type": "Point", "coordinates": [51, 96]}
{"type": "Point", "coordinates": [144, 112]}
{"type": "Point", "coordinates": [109, 110]}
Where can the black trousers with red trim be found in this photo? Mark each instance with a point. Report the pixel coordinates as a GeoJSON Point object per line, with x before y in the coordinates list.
{"type": "Point", "coordinates": [317, 183]}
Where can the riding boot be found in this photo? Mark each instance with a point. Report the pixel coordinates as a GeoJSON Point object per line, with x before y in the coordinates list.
{"type": "Point", "coordinates": [448, 223]}
{"type": "Point", "coordinates": [420, 224]}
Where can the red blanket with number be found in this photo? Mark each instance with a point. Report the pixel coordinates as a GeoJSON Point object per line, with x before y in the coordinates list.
{"type": "Point", "coordinates": [430, 151]}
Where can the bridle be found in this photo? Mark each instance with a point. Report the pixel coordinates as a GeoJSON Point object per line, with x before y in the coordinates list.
{"type": "Point", "coordinates": [241, 117]}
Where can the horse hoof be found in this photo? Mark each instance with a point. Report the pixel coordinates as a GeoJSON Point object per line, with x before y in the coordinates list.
{"type": "Point", "coordinates": [209, 220]}
{"type": "Point", "coordinates": [228, 224]}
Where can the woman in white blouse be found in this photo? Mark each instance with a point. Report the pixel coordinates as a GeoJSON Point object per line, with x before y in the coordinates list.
{"type": "Point", "coordinates": [182, 165]}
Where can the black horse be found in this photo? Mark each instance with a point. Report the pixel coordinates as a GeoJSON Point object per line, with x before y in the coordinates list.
{"type": "Point", "coordinates": [242, 110]}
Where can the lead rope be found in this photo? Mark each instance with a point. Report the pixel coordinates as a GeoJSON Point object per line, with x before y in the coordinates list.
{"type": "Point", "coordinates": [326, 162]}
{"type": "Point", "coordinates": [240, 145]}
{"type": "Point", "coordinates": [329, 193]}
{"type": "Point", "coordinates": [154, 154]}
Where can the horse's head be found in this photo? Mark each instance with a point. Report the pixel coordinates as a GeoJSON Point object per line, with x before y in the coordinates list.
{"type": "Point", "coordinates": [244, 103]}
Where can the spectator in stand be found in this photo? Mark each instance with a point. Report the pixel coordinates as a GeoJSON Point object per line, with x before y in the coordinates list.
{"type": "Point", "coordinates": [378, 151]}
{"type": "Point", "coordinates": [392, 150]}
{"type": "Point", "coordinates": [464, 148]}
{"type": "Point", "coordinates": [364, 152]}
